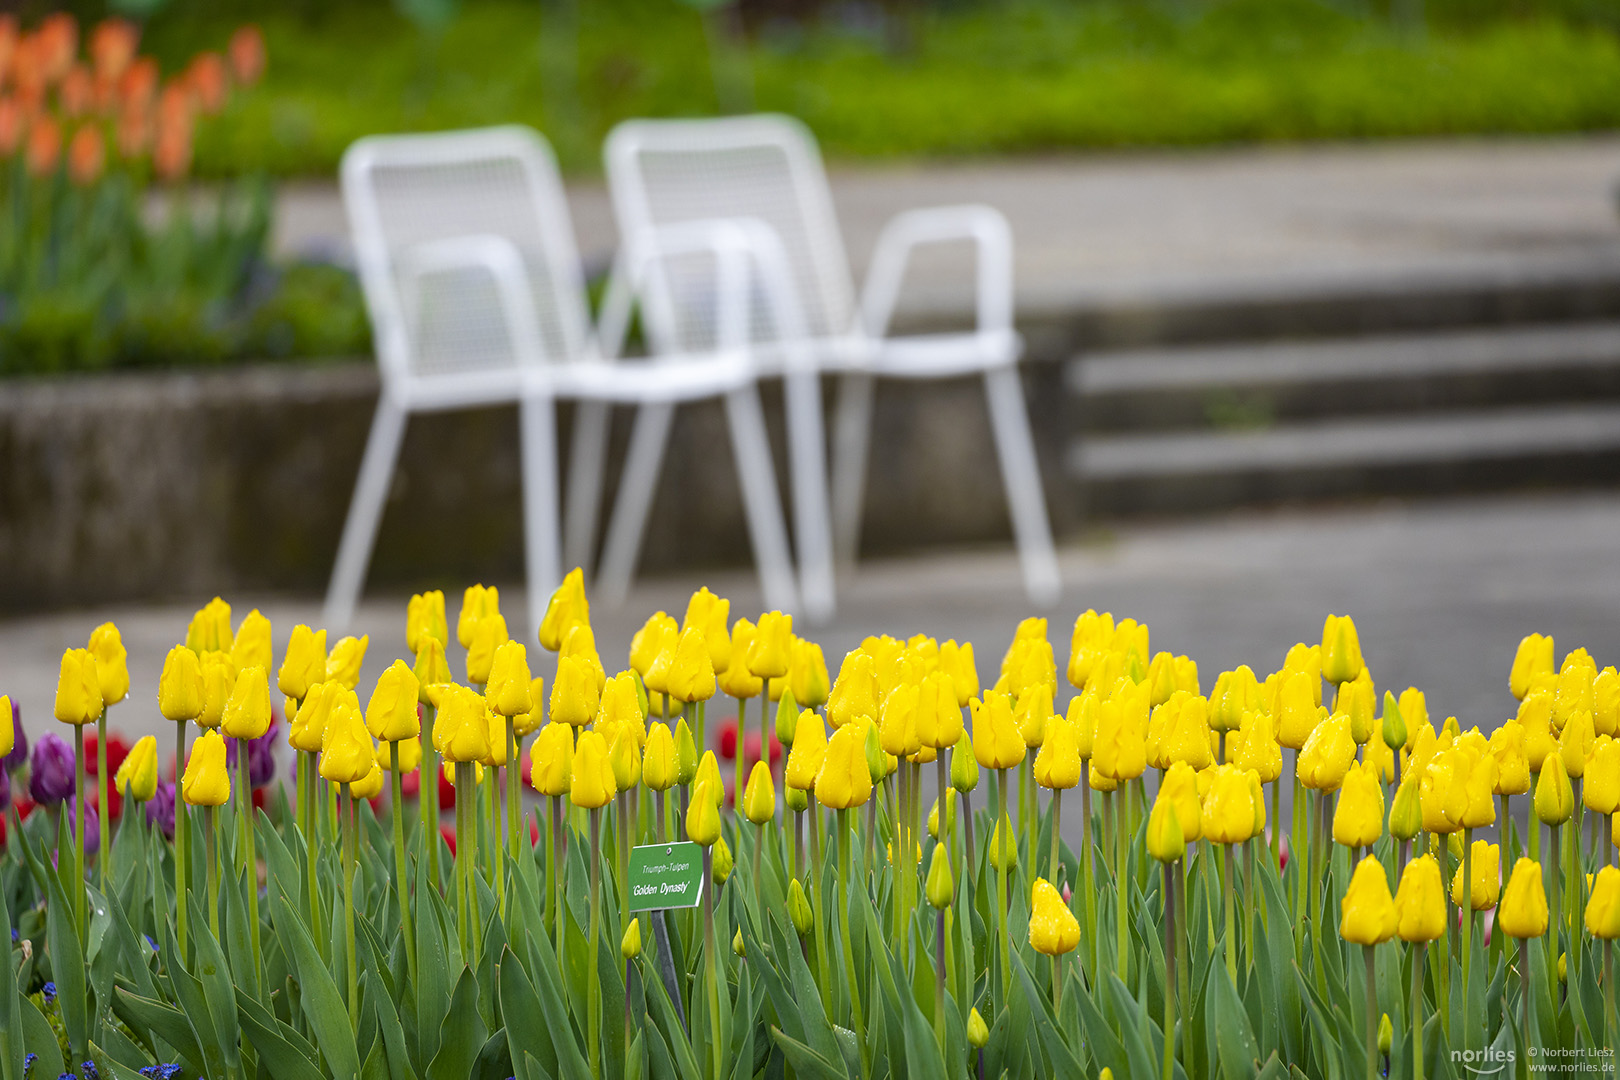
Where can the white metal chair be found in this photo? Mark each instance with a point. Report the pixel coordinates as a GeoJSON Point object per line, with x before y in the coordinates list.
{"type": "Point", "coordinates": [766, 171]}
{"type": "Point", "coordinates": [473, 284]}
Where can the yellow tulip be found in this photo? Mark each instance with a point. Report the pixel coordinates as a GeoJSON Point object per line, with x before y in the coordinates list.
{"type": "Point", "coordinates": [112, 663]}
{"type": "Point", "coordinates": [566, 609]}
{"type": "Point", "coordinates": [1185, 738]}
{"type": "Point", "coordinates": [957, 662]}
{"type": "Point", "coordinates": [624, 757]}
{"type": "Point", "coordinates": [897, 732]}
{"type": "Point", "coordinates": [1358, 819]}
{"type": "Point", "coordinates": [1523, 910]}
{"type": "Point", "coordinates": [1535, 714]}
{"type": "Point", "coordinates": [691, 672]}
{"type": "Point", "coordinates": [210, 629]}
{"type": "Point", "coordinates": [1091, 639]}
{"type": "Point", "coordinates": [711, 614]}
{"type": "Point", "coordinates": [939, 718]}
{"type": "Point", "coordinates": [551, 760]}
{"type": "Point", "coordinates": [180, 687]}
{"type": "Point", "coordinates": [1180, 789]}
{"type": "Point", "coordinates": [769, 652]}
{"type": "Point", "coordinates": [8, 733]}
{"type": "Point", "coordinates": [1119, 751]}
{"type": "Point", "coordinates": [1420, 906]}
{"type": "Point", "coordinates": [1327, 754]}
{"type": "Point", "coordinates": [1486, 882]}
{"type": "Point", "coordinates": [347, 753]}
{"type": "Point", "coordinates": [369, 786]}
{"type": "Point", "coordinates": [703, 815]}
{"type": "Point", "coordinates": [409, 751]}
{"type": "Point", "coordinates": [509, 682]}
{"type": "Point", "coordinates": [1165, 841]}
{"type": "Point", "coordinates": [808, 753]}
{"type": "Point", "coordinates": [304, 665]}
{"type": "Point", "coordinates": [1341, 650]}
{"type": "Point", "coordinates": [978, 1033]}
{"type": "Point", "coordinates": [461, 732]}
{"type": "Point", "coordinates": [526, 724]}
{"type": "Point", "coordinates": [137, 776]}
{"type": "Point", "coordinates": [1227, 814]}
{"type": "Point", "coordinates": [1357, 699]}
{"type": "Point", "coordinates": [1600, 791]}
{"type": "Point", "coordinates": [759, 797]}
{"type": "Point", "coordinates": [1534, 657]}
{"type": "Point", "coordinates": [1235, 693]}
{"type": "Point", "coordinates": [424, 618]}
{"type": "Point", "coordinates": [495, 731]}
{"type": "Point", "coordinates": [343, 665]}
{"type": "Point", "coordinates": [1367, 912]}
{"type": "Point", "coordinates": [686, 757]}
{"type": "Point", "coordinates": [1603, 909]}
{"type": "Point", "coordinates": [996, 739]}
{"type": "Point", "coordinates": [1032, 712]}
{"type": "Point", "coordinates": [1301, 713]}
{"type": "Point", "coordinates": [488, 634]}
{"type": "Point", "coordinates": [658, 758]}
{"type": "Point", "coordinates": [247, 713]}
{"type": "Point", "coordinates": [391, 714]}
{"type": "Point", "coordinates": [477, 604]}
{"type": "Point", "coordinates": [1259, 751]}
{"type": "Point", "coordinates": [1306, 660]}
{"type": "Point", "coordinates": [574, 696]}
{"type": "Point", "coordinates": [207, 781]}
{"type": "Point", "coordinates": [592, 785]}
{"type": "Point", "coordinates": [1057, 766]}
{"type": "Point", "coordinates": [219, 679]}
{"type": "Point", "coordinates": [432, 671]}
{"type": "Point", "coordinates": [1575, 691]}
{"type": "Point", "coordinates": [855, 691]}
{"type": "Point", "coordinates": [1512, 767]}
{"type": "Point", "coordinates": [309, 725]}
{"type": "Point", "coordinates": [1053, 929]}
{"type": "Point", "coordinates": [844, 780]}
{"type": "Point", "coordinates": [1555, 800]}
{"type": "Point", "coordinates": [1444, 797]}
{"type": "Point", "coordinates": [78, 689]}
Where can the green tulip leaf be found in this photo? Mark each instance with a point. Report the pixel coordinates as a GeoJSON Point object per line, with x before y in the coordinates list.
{"type": "Point", "coordinates": [323, 1006]}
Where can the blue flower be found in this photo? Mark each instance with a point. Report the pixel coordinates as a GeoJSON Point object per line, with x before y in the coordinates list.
{"type": "Point", "coordinates": [89, 1069]}
{"type": "Point", "coordinates": [150, 944]}
{"type": "Point", "coordinates": [28, 1064]}
{"type": "Point", "coordinates": [168, 1072]}
{"type": "Point", "coordinates": [67, 1076]}
{"type": "Point", "coordinates": [149, 1071]}
{"type": "Point", "coordinates": [14, 937]}
{"type": "Point", "coordinates": [49, 990]}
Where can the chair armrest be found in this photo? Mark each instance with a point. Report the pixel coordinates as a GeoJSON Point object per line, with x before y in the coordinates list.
{"type": "Point", "coordinates": [988, 230]}
{"type": "Point", "coordinates": [493, 255]}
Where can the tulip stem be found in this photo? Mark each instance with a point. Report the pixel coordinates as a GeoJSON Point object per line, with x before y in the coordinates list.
{"type": "Point", "coordinates": [102, 804]}
{"type": "Point", "coordinates": [1052, 866]}
{"type": "Point", "coordinates": [899, 797]}
{"type": "Point", "coordinates": [1297, 858]}
{"type": "Point", "coordinates": [350, 961]}
{"type": "Point", "coordinates": [1575, 871]}
{"type": "Point", "coordinates": [999, 842]}
{"type": "Point", "coordinates": [1184, 948]}
{"type": "Point", "coordinates": [1372, 1014]}
{"type": "Point", "coordinates": [1170, 874]}
{"type": "Point", "coordinates": [1524, 999]}
{"type": "Point", "coordinates": [737, 749]}
{"type": "Point", "coordinates": [210, 819]}
{"type": "Point", "coordinates": [1556, 917]}
{"type": "Point", "coordinates": [78, 831]}
{"type": "Point", "coordinates": [1608, 990]}
{"type": "Point", "coordinates": [462, 782]}
{"type": "Point", "coordinates": [181, 881]}
{"type": "Point", "coordinates": [1122, 877]}
{"type": "Point", "coordinates": [711, 963]}
{"type": "Point", "coordinates": [622, 885]}
{"type": "Point", "coordinates": [1229, 889]}
{"type": "Point", "coordinates": [593, 995]}
{"type": "Point", "coordinates": [491, 786]}
{"type": "Point", "coordinates": [1087, 873]}
{"type": "Point", "coordinates": [554, 871]}
{"type": "Point", "coordinates": [816, 903]}
{"type": "Point", "coordinates": [1417, 1012]}
{"type": "Point", "coordinates": [401, 889]}
{"type": "Point", "coordinates": [843, 932]}
{"type": "Point", "coordinates": [759, 884]}
{"type": "Point", "coordinates": [514, 792]}
{"type": "Point", "coordinates": [427, 792]}
{"type": "Point", "coordinates": [939, 981]}
{"type": "Point", "coordinates": [244, 790]}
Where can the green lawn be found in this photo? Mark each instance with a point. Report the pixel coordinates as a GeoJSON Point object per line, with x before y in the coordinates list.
{"type": "Point", "coordinates": [1008, 76]}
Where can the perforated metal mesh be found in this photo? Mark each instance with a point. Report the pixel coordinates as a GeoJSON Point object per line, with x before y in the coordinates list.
{"type": "Point", "coordinates": [750, 168]}
{"type": "Point", "coordinates": [413, 191]}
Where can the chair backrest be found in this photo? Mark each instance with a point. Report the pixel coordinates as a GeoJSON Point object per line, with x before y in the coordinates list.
{"type": "Point", "coordinates": [453, 232]}
{"type": "Point", "coordinates": [764, 168]}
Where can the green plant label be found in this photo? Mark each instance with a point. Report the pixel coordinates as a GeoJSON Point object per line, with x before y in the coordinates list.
{"type": "Point", "coordinates": [665, 876]}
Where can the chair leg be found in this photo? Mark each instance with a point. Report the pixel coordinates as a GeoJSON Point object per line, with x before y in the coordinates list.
{"type": "Point", "coordinates": [537, 419]}
{"type": "Point", "coordinates": [365, 513]}
{"type": "Point", "coordinates": [852, 426]}
{"type": "Point", "coordinates": [1026, 500]}
{"type": "Point", "coordinates": [812, 522]}
{"type": "Point", "coordinates": [629, 521]}
{"type": "Point", "coordinates": [586, 459]}
{"type": "Point", "coordinates": [761, 500]}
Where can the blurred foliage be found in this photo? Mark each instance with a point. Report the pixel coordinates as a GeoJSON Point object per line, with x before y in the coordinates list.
{"type": "Point", "coordinates": [966, 77]}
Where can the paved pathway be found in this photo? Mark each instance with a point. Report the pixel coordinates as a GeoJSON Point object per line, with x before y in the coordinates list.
{"type": "Point", "coordinates": [1150, 227]}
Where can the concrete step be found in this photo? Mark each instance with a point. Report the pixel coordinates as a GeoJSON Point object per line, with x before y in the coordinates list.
{"type": "Point", "coordinates": [1257, 385]}
{"type": "Point", "coordinates": [1435, 453]}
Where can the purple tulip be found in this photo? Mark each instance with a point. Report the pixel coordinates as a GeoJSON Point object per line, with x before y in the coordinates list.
{"type": "Point", "coordinates": [160, 808]}
{"type": "Point", "coordinates": [5, 791]}
{"type": "Point", "coordinates": [261, 756]}
{"type": "Point", "coordinates": [50, 771]}
{"type": "Point", "coordinates": [19, 749]}
{"type": "Point", "coordinates": [92, 824]}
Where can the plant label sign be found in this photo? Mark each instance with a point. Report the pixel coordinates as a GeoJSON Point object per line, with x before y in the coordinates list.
{"type": "Point", "coordinates": [666, 876]}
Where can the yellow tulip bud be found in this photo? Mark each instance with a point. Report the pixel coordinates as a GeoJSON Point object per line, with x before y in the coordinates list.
{"type": "Point", "coordinates": [347, 753]}
{"type": "Point", "coordinates": [1555, 800]}
{"type": "Point", "coordinates": [1367, 912]}
{"type": "Point", "coordinates": [180, 687]}
{"type": "Point", "coordinates": [1606, 702]}
{"type": "Point", "coordinates": [488, 634]}
{"type": "Point", "coordinates": [798, 906]}
{"type": "Point", "coordinates": [940, 886]}
{"type": "Point", "coordinates": [964, 765]}
{"type": "Point", "coordinates": [808, 753]}
{"type": "Point", "coordinates": [1600, 790]}
{"type": "Point", "coordinates": [1227, 815]}
{"type": "Point", "coordinates": [391, 714]}
{"type": "Point", "coordinates": [574, 694]}
{"type": "Point", "coordinates": [247, 714]}
{"type": "Point", "coordinates": [1486, 881]}
{"type": "Point", "coordinates": [1358, 818]}
{"type": "Point", "coordinates": [691, 672]}
{"type": "Point", "coordinates": [509, 682]}
{"type": "Point", "coordinates": [686, 757]}
{"type": "Point", "coordinates": [720, 862]}
{"type": "Point", "coordinates": [807, 674]}
{"type": "Point", "coordinates": [759, 797]}
{"type": "Point", "coordinates": [210, 629]}
{"type": "Point", "coordinates": [1479, 790]}
{"type": "Point", "coordinates": [309, 725]}
{"type": "Point", "coordinates": [477, 604]}
{"type": "Point", "coordinates": [1420, 905]}
{"type": "Point", "coordinates": [369, 786]}
{"type": "Point", "coordinates": [1341, 651]}
{"type": "Point", "coordinates": [768, 653]}
{"type": "Point", "coordinates": [1523, 910]}
{"type": "Point", "coordinates": [78, 689]}
{"type": "Point", "coordinates": [844, 780]}
{"type": "Point", "coordinates": [977, 1033]}
{"type": "Point", "coordinates": [401, 756]}
{"type": "Point", "coordinates": [708, 769]}
{"type": "Point", "coordinates": [1236, 692]}
{"type": "Point", "coordinates": [1603, 908]}
{"type": "Point", "coordinates": [207, 781]}
{"type": "Point", "coordinates": [1406, 814]}
{"type": "Point", "coordinates": [592, 784]}
{"type": "Point", "coordinates": [703, 815]}
{"type": "Point", "coordinates": [304, 665]}
{"type": "Point", "coordinates": [112, 663]}
{"type": "Point", "coordinates": [1327, 754]}
{"type": "Point", "coordinates": [1534, 657]}
{"type": "Point", "coordinates": [1386, 1034]}
{"type": "Point", "coordinates": [1003, 847]}
{"type": "Point", "coordinates": [658, 759]}
{"type": "Point", "coordinates": [1053, 929]}
{"type": "Point", "coordinates": [526, 724]}
{"type": "Point", "coordinates": [957, 662]}
{"type": "Point", "coordinates": [461, 733]}
{"type": "Point", "coordinates": [219, 679]}
{"type": "Point", "coordinates": [897, 733]}
{"type": "Point", "coordinates": [1258, 750]}
{"type": "Point", "coordinates": [1165, 840]}
{"type": "Point", "coordinates": [950, 815]}
{"type": "Point", "coordinates": [1443, 796]}
{"type": "Point", "coordinates": [855, 692]}
{"type": "Point", "coordinates": [1031, 713]}
{"type": "Point", "coordinates": [432, 671]}
{"type": "Point", "coordinates": [1357, 700]}
{"type": "Point", "coordinates": [997, 742]}
{"type": "Point", "coordinates": [1185, 719]}
{"type": "Point", "coordinates": [137, 776]}
{"type": "Point", "coordinates": [1512, 767]}
{"type": "Point", "coordinates": [1301, 712]}
{"type": "Point", "coordinates": [424, 619]}
{"type": "Point", "coordinates": [1058, 763]}
{"type": "Point", "coordinates": [624, 756]}
{"type": "Point", "coordinates": [343, 665]}
{"type": "Point", "coordinates": [566, 609]}
{"type": "Point", "coordinates": [630, 943]}
{"type": "Point", "coordinates": [551, 760]}
{"type": "Point", "coordinates": [939, 717]}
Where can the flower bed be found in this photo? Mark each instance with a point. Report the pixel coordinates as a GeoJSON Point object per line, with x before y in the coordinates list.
{"type": "Point", "coordinates": [841, 926]}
